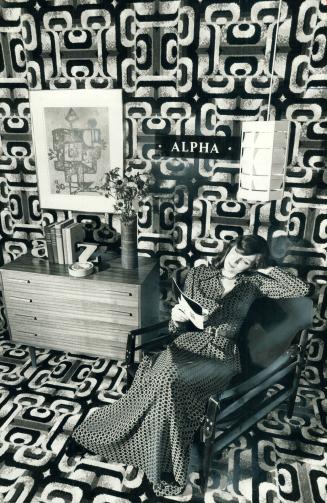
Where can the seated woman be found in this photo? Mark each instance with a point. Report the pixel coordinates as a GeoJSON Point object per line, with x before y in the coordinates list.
{"type": "Point", "coordinates": [152, 426]}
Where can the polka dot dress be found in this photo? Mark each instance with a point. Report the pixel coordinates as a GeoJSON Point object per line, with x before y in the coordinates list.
{"type": "Point", "coordinates": [153, 425]}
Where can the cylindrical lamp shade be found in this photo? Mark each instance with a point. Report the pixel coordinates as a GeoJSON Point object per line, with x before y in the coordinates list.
{"type": "Point", "coordinates": [264, 151]}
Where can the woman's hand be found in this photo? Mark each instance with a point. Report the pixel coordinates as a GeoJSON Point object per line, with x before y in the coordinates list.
{"type": "Point", "coordinates": [205, 314]}
{"type": "Point", "coordinates": [265, 270]}
{"type": "Point", "coordinates": [178, 315]}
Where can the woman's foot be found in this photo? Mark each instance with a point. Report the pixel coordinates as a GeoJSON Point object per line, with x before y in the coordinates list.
{"type": "Point", "coordinates": [73, 448]}
{"type": "Point", "coordinates": [186, 495]}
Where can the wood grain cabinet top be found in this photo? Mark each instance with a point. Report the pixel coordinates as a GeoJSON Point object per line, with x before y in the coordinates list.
{"type": "Point", "coordinates": [93, 315]}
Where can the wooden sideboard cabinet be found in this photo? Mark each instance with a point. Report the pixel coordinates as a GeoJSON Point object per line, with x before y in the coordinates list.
{"type": "Point", "coordinates": [93, 315]}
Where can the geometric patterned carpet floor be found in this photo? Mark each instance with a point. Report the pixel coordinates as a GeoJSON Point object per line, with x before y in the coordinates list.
{"type": "Point", "coordinates": [279, 460]}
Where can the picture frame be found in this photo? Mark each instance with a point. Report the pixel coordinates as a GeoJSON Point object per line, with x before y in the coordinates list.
{"type": "Point", "coordinates": [78, 137]}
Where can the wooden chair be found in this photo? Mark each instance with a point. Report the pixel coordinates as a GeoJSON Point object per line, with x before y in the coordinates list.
{"type": "Point", "coordinates": [271, 369]}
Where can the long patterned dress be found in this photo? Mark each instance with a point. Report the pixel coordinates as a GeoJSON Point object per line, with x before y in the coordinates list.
{"type": "Point", "coordinates": [152, 426]}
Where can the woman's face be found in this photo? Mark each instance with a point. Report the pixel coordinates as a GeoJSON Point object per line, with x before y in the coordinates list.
{"type": "Point", "coordinates": [235, 262]}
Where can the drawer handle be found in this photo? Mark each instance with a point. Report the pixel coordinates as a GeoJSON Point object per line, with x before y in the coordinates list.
{"type": "Point", "coordinates": [120, 312]}
{"type": "Point", "coordinates": [21, 299]}
{"type": "Point", "coordinates": [26, 316]}
{"type": "Point", "coordinates": [118, 292]}
{"type": "Point", "coordinates": [26, 333]}
{"type": "Point", "coordinates": [15, 280]}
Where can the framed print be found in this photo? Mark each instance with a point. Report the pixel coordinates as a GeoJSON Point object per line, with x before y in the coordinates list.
{"type": "Point", "coordinates": [78, 137]}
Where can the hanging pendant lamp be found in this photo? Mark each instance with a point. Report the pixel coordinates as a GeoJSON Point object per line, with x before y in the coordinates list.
{"type": "Point", "coordinates": [264, 153]}
{"type": "Point", "coordinates": [263, 160]}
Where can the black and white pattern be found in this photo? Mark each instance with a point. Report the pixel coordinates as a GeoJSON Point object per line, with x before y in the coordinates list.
{"type": "Point", "coordinates": [278, 460]}
{"type": "Point", "coordinates": [152, 426]}
{"type": "Point", "coordinates": [163, 55]}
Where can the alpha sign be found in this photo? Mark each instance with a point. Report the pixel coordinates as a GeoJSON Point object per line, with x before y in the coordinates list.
{"type": "Point", "coordinates": [205, 147]}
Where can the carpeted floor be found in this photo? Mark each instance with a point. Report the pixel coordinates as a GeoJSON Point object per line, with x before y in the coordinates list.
{"type": "Point", "coordinates": [278, 461]}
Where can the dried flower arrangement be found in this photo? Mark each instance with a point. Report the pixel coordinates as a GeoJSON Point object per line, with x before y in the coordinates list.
{"type": "Point", "coordinates": [128, 190]}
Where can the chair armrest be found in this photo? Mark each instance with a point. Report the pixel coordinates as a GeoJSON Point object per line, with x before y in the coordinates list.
{"type": "Point", "coordinates": [130, 346]}
{"type": "Point", "coordinates": [149, 328]}
{"type": "Point", "coordinates": [148, 343]}
{"type": "Point", "coordinates": [209, 425]}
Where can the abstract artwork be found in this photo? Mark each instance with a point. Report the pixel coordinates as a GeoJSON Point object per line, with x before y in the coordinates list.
{"type": "Point", "coordinates": [78, 150]}
{"type": "Point", "coordinates": [78, 138]}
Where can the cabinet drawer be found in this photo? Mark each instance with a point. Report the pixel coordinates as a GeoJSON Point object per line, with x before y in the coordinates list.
{"type": "Point", "coordinates": [61, 326]}
{"type": "Point", "coordinates": [44, 308]}
{"type": "Point", "coordinates": [96, 345]}
{"type": "Point", "coordinates": [71, 335]}
{"type": "Point", "coordinates": [68, 289]}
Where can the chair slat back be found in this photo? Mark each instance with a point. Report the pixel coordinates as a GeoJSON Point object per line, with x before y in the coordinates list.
{"type": "Point", "coordinates": [271, 326]}
{"type": "Point", "coordinates": [255, 390]}
{"type": "Point", "coordinates": [244, 386]}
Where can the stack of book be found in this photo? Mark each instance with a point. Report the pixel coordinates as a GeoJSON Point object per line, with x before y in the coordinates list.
{"type": "Point", "coordinates": [61, 240]}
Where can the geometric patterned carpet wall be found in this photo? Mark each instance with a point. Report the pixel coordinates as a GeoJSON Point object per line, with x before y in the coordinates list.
{"type": "Point", "coordinates": [279, 460]}
{"type": "Point", "coordinates": [185, 67]}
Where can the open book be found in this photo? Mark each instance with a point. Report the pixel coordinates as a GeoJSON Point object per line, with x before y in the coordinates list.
{"type": "Point", "coordinates": [191, 308]}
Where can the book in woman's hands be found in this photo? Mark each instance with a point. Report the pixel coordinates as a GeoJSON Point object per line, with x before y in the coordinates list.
{"type": "Point", "coordinates": [191, 308]}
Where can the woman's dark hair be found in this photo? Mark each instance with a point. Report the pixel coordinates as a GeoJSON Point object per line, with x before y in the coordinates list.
{"type": "Point", "coordinates": [248, 245]}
